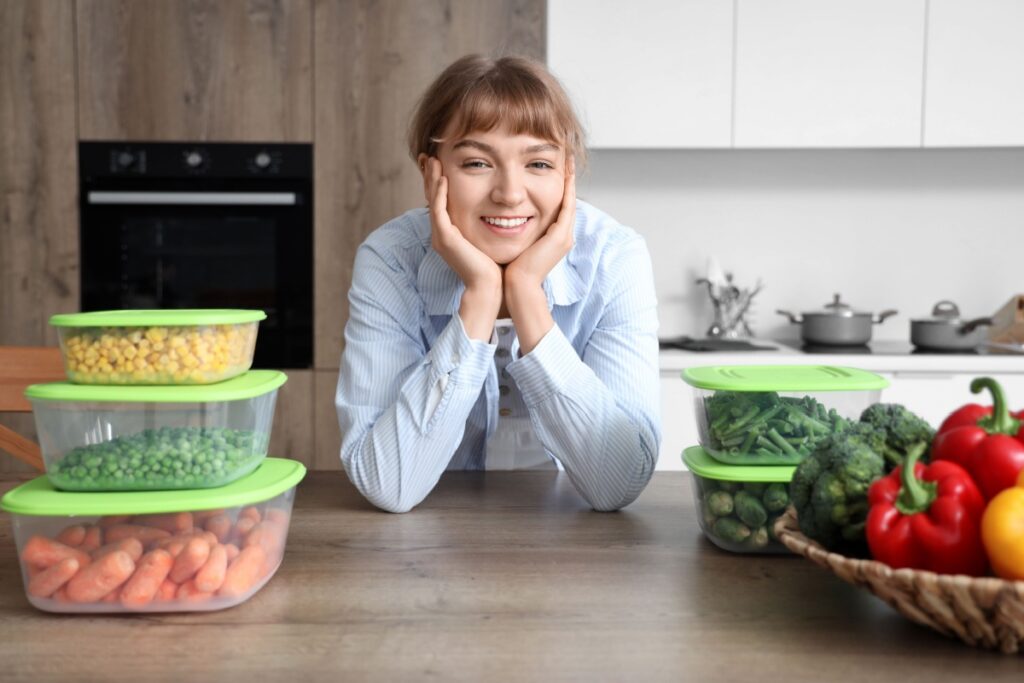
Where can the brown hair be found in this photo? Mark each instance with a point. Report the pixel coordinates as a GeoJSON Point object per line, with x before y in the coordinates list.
{"type": "Point", "coordinates": [482, 94]}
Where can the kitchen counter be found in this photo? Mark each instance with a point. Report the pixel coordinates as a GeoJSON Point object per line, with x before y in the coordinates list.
{"type": "Point", "coordinates": [503, 576]}
{"type": "Point", "coordinates": [879, 356]}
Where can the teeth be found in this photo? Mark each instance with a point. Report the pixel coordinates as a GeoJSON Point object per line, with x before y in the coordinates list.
{"type": "Point", "coordinates": [506, 222]}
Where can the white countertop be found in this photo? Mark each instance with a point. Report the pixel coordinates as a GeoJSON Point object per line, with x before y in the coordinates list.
{"type": "Point", "coordinates": [886, 357]}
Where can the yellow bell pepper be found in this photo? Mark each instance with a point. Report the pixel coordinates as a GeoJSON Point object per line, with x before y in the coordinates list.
{"type": "Point", "coordinates": [1002, 532]}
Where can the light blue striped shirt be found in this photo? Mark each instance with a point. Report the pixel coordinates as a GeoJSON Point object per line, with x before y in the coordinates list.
{"type": "Point", "coordinates": [417, 396]}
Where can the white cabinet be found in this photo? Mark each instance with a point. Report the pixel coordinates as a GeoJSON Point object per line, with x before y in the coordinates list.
{"type": "Point", "coordinates": [678, 424]}
{"type": "Point", "coordinates": [974, 94]}
{"type": "Point", "coordinates": [934, 396]}
{"type": "Point", "coordinates": [844, 73]}
{"type": "Point", "coordinates": [646, 73]}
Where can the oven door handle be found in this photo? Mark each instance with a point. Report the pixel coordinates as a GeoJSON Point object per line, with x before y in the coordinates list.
{"type": "Point", "coordinates": [195, 198]}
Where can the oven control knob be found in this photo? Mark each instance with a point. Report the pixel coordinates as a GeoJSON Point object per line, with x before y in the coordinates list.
{"type": "Point", "coordinates": [262, 160]}
{"type": "Point", "coordinates": [194, 159]}
{"type": "Point", "coordinates": [125, 159]}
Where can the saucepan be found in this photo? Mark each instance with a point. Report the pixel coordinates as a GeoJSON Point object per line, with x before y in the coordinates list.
{"type": "Point", "coordinates": [947, 331]}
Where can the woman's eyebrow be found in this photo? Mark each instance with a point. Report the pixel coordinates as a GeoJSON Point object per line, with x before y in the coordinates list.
{"type": "Point", "coordinates": [533, 149]}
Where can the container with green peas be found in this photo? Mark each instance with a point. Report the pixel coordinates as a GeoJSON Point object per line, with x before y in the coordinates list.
{"type": "Point", "coordinates": [737, 505]}
{"type": "Point", "coordinates": [106, 438]}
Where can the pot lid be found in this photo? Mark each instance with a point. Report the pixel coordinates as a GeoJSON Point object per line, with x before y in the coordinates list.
{"type": "Point", "coordinates": [837, 308]}
{"type": "Point", "coordinates": [945, 312]}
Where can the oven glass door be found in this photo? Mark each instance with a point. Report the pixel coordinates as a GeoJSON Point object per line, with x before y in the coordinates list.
{"type": "Point", "coordinates": [168, 250]}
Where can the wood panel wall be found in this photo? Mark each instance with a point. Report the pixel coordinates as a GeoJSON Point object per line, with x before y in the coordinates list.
{"type": "Point", "coordinates": [343, 74]}
{"type": "Point", "coordinates": [232, 70]}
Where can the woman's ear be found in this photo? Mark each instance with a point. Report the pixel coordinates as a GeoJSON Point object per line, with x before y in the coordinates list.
{"type": "Point", "coordinates": [423, 162]}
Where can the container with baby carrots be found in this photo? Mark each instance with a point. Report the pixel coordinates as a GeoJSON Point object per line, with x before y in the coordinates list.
{"type": "Point", "coordinates": [153, 551]}
{"type": "Point", "coordinates": [116, 438]}
{"type": "Point", "coordinates": [173, 346]}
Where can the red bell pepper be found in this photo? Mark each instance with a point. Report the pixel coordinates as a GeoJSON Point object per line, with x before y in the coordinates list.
{"type": "Point", "coordinates": [927, 517]}
{"type": "Point", "coordinates": [991, 448]}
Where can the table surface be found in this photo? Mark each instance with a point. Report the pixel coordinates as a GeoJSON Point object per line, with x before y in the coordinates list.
{"type": "Point", "coordinates": [500, 576]}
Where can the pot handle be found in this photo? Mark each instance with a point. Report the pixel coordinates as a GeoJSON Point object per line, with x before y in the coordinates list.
{"type": "Point", "coordinates": [795, 319]}
{"type": "Point", "coordinates": [885, 314]}
{"type": "Point", "coordinates": [972, 325]}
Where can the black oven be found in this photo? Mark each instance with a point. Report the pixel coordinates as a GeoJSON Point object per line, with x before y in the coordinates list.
{"type": "Point", "coordinates": [205, 225]}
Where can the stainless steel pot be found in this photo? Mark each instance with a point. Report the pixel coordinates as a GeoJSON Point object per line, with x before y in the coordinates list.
{"type": "Point", "coordinates": [837, 325]}
{"type": "Point", "coordinates": [947, 331]}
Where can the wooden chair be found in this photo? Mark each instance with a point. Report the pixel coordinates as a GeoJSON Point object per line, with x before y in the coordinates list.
{"type": "Point", "coordinates": [21, 366]}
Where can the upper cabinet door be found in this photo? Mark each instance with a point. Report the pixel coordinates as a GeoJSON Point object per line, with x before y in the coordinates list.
{"type": "Point", "coordinates": [843, 73]}
{"type": "Point", "coordinates": [646, 73]}
{"type": "Point", "coordinates": [974, 94]}
{"type": "Point", "coordinates": [201, 70]}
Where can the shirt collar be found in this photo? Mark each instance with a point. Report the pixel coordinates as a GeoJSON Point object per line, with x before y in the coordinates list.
{"type": "Point", "coordinates": [442, 290]}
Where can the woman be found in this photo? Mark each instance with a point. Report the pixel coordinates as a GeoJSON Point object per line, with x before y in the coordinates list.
{"type": "Point", "coordinates": [508, 325]}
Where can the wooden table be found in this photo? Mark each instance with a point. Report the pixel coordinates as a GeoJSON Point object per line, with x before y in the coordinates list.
{"type": "Point", "coordinates": [501, 577]}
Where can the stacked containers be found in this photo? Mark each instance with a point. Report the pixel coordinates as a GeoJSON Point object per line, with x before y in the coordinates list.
{"type": "Point", "coordinates": [756, 423]}
{"type": "Point", "coordinates": [164, 411]}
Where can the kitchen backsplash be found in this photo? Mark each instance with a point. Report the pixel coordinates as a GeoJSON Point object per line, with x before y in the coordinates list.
{"type": "Point", "coordinates": [886, 228]}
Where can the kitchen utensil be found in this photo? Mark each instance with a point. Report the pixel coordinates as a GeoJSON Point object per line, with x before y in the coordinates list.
{"type": "Point", "coordinates": [730, 302]}
{"type": "Point", "coordinates": [946, 330]}
{"type": "Point", "coordinates": [246, 520]}
{"type": "Point", "coordinates": [176, 346]}
{"type": "Point", "coordinates": [117, 438]}
{"type": "Point", "coordinates": [736, 506]}
{"type": "Point", "coordinates": [838, 324]}
{"type": "Point", "coordinates": [982, 612]}
{"type": "Point", "coordinates": [739, 408]}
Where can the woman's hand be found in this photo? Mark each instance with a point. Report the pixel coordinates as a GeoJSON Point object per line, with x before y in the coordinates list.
{"type": "Point", "coordinates": [524, 277]}
{"type": "Point", "coordinates": [478, 272]}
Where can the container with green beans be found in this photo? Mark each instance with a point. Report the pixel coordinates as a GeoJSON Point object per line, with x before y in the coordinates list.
{"type": "Point", "coordinates": [132, 438]}
{"type": "Point", "coordinates": [737, 505]}
{"type": "Point", "coordinates": [776, 414]}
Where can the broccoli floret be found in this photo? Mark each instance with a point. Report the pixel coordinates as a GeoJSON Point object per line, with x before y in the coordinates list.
{"type": "Point", "coordinates": [829, 488]}
{"type": "Point", "coordinates": [902, 430]}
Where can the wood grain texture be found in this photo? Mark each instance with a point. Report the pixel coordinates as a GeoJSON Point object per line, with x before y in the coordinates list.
{"type": "Point", "coordinates": [292, 435]}
{"type": "Point", "coordinates": [502, 576]}
{"type": "Point", "coordinates": [195, 70]}
{"type": "Point", "coordinates": [328, 433]}
{"type": "Point", "coordinates": [38, 159]}
{"type": "Point", "coordinates": [372, 62]}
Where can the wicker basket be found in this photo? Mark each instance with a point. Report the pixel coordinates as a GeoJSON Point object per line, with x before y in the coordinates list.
{"type": "Point", "coordinates": [986, 612]}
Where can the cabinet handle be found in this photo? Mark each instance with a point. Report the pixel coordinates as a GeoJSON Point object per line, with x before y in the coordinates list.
{"type": "Point", "coordinates": [195, 198]}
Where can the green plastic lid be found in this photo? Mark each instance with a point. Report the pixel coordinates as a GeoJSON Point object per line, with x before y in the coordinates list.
{"type": "Point", "coordinates": [807, 378]}
{"type": "Point", "coordinates": [248, 385]}
{"type": "Point", "coordinates": [146, 317]}
{"type": "Point", "coordinates": [700, 463]}
{"type": "Point", "coordinates": [39, 498]}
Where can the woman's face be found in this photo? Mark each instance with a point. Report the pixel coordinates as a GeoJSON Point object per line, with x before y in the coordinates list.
{"type": "Point", "coordinates": [504, 190]}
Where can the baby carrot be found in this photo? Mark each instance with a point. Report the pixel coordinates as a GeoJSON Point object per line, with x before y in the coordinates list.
{"type": "Point", "coordinates": [242, 528]}
{"type": "Point", "coordinates": [232, 551]}
{"type": "Point", "coordinates": [111, 520]}
{"type": "Point", "coordinates": [168, 589]}
{"type": "Point", "coordinates": [192, 558]}
{"type": "Point", "coordinates": [72, 535]}
{"type": "Point", "coordinates": [132, 546]}
{"type": "Point", "coordinates": [220, 526]}
{"type": "Point", "coordinates": [188, 592]}
{"type": "Point", "coordinates": [243, 572]}
{"type": "Point", "coordinates": [149, 575]}
{"type": "Point", "coordinates": [278, 516]}
{"type": "Point", "coordinates": [44, 552]}
{"type": "Point", "coordinates": [270, 536]}
{"type": "Point", "coordinates": [250, 513]}
{"type": "Point", "coordinates": [199, 517]}
{"type": "Point", "coordinates": [101, 577]}
{"type": "Point", "coordinates": [173, 523]}
{"type": "Point", "coordinates": [93, 538]}
{"type": "Point", "coordinates": [46, 583]}
{"type": "Point", "coordinates": [145, 534]}
{"type": "Point", "coordinates": [211, 575]}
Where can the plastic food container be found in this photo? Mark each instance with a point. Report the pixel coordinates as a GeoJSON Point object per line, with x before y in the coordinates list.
{"type": "Point", "coordinates": [166, 551]}
{"type": "Point", "coordinates": [198, 346]}
{"type": "Point", "coordinates": [144, 438]}
{"type": "Point", "coordinates": [775, 414]}
{"type": "Point", "coordinates": [736, 505]}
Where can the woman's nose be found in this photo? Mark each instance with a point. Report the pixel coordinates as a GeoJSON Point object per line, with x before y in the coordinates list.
{"type": "Point", "coordinates": [508, 189]}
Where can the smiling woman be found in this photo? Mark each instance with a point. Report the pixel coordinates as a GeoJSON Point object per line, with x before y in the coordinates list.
{"type": "Point", "coordinates": [507, 325]}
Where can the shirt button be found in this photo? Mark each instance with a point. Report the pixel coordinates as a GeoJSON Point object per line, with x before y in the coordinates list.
{"type": "Point", "coordinates": [502, 352]}
{"type": "Point", "coordinates": [505, 412]}
{"type": "Point", "coordinates": [504, 389]}
{"type": "Point", "coordinates": [504, 373]}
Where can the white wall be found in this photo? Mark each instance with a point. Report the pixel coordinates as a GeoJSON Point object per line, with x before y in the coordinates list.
{"type": "Point", "coordinates": [887, 228]}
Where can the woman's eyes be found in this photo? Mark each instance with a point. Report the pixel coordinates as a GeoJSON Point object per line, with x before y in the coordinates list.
{"type": "Point", "coordinates": [539, 164]}
{"type": "Point", "coordinates": [546, 165]}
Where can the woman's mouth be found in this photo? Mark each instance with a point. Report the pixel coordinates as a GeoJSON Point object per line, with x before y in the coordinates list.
{"type": "Point", "coordinates": [506, 225]}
